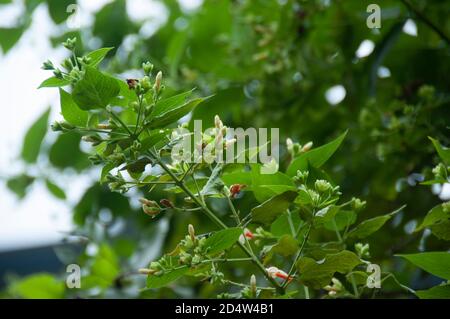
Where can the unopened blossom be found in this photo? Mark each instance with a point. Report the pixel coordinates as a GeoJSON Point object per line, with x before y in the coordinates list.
{"type": "Point", "coordinates": [274, 272]}
{"type": "Point", "coordinates": [247, 235]}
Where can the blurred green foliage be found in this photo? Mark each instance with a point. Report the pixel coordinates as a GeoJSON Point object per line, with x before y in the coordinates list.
{"type": "Point", "coordinates": [268, 64]}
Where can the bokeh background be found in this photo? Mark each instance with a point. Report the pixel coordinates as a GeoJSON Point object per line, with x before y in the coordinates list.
{"type": "Point", "coordinates": [311, 68]}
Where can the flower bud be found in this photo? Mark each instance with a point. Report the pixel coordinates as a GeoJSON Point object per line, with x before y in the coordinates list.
{"type": "Point", "coordinates": [166, 203]}
{"type": "Point", "coordinates": [151, 210]}
{"type": "Point", "coordinates": [146, 84]}
{"type": "Point", "coordinates": [148, 67]}
{"type": "Point", "coordinates": [48, 65]}
{"type": "Point", "coordinates": [235, 189]}
{"type": "Point", "coordinates": [322, 185]}
{"type": "Point", "coordinates": [218, 122]}
{"type": "Point", "coordinates": [69, 44]}
{"type": "Point", "coordinates": [358, 204]}
{"type": "Point", "coordinates": [289, 145]}
{"type": "Point", "coordinates": [158, 81]}
{"type": "Point", "coordinates": [274, 272]}
{"type": "Point", "coordinates": [191, 231]}
{"type": "Point", "coordinates": [146, 202]}
{"type": "Point", "coordinates": [104, 126]}
{"type": "Point", "coordinates": [58, 74]}
{"type": "Point", "coordinates": [362, 250]}
{"type": "Point", "coordinates": [146, 271]}
{"type": "Point", "coordinates": [307, 146]}
{"type": "Point", "coordinates": [253, 285]}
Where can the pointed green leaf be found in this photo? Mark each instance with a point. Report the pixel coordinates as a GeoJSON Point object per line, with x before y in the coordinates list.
{"type": "Point", "coordinates": [54, 82]}
{"type": "Point", "coordinates": [315, 157]}
{"type": "Point", "coordinates": [317, 274]}
{"type": "Point", "coordinates": [155, 282]}
{"type": "Point", "coordinates": [70, 110]}
{"type": "Point", "coordinates": [370, 226]}
{"type": "Point", "coordinates": [444, 152]}
{"type": "Point", "coordinates": [437, 292]}
{"type": "Point", "coordinates": [95, 90]}
{"type": "Point", "coordinates": [268, 211]}
{"type": "Point", "coordinates": [55, 189]}
{"type": "Point", "coordinates": [222, 240]}
{"type": "Point", "coordinates": [97, 56]}
{"type": "Point", "coordinates": [174, 114]}
{"type": "Point", "coordinates": [34, 137]}
{"type": "Point", "coordinates": [436, 263]}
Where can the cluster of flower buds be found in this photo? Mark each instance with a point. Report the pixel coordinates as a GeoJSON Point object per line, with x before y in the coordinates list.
{"type": "Point", "coordinates": [301, 177]}
{"type": "Point", "coordinates": [48, 65]}
{"type": "Point", "coordinates": [322, 186]}
{"type": "Point", "coordinates": [150, 207]}
{"type": "Point", "coordinates": [193, 249]}
{"type": "Point", "coordinates": [363, 250]}
{"type": "Point", "coordinates": [294, 149]}
{"type": "Point", "coordinates": [70, 43]}
{"type": "Point", "coordinates": [274, 272]}
{"type": "Point", "coordinates": [335, 288]}
{"type": "Point", "coordinates": [358, 204]}
{"type": "Point", "coordinates": [116, 183]}
{"type": "Point", "coordinates": [216, 277]}
{"type": "Point", "coordinates": [147, 67]}
{"type": "Point", "coordinates": [440, 172]}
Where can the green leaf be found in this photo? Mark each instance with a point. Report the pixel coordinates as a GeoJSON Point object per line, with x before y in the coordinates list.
{"type": "Point", "coordinates": [265, 186]}
{"type": "Point", "coordinates": [214, 185]}
{"type": "Point", "coordinates": [282, 225]}
{"type": "Point", "coordinates": [268, 211]}
{"type": "Point", "coordinates": [105, 266]}
{"type": "Point", "coordinates": [437, 292]}
{"type": "Point", "coordinates": [97, 56]}
{"type": "Point", "coordinates": [286, 246]}
{"type": "Point", "coordinates": [315, 157]}
{"type": "Point", "coordinates": [325, 215]}
{"type": "Point", "coordinates": [155, 282]}
{"type": "Point", "coordinates": [70, 110]}
{"type": "Point", "coordinates": [61, 158]}
{"type": "Point", "coordinates": [370, 226]}
{"type": "Point", "coordinates": [436, 263]}
{"type": "Point", "coordinates": [342, 220]}
{"type": "Point", "coordinates": [54, 82]}
{"type": "Point", "coordinates": [174, 114]}
{"type": "Point", "coordinates": [317, 274]}
{"type": "Point", "coordinates": [58, 9]}
{"type": "Point", "coordinates": [55, 189]}
{"type": "Point", "coordinates": [95, 90]}
{"type": "Point", "coordinates": [9, 37]}
{"type": "Point", "coordinates": [39, 286]}
{"type": "Point", "coordinates": [222, 240]}
{"type": "Point", "coordinates": [34, 137]}
{"type": "Point", "coordinates": [435, 216]}
{"type": "Point", "coordinates": [19, 184]}
{"type": "Point", "coordinates": [171, 103]}
{"type": "Point", "coordinates": [444, 152]}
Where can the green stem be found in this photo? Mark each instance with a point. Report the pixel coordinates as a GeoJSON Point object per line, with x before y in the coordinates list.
{"type": "Point", "coordinates": [292, 270]}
